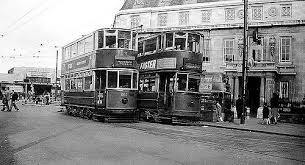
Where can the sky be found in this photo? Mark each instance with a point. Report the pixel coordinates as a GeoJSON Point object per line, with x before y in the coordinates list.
{"type": "Point", "coordinates": [31, 31]}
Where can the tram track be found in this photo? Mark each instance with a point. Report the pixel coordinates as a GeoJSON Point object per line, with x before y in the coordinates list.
{"type": "Point", "coordinates": [261, 147]}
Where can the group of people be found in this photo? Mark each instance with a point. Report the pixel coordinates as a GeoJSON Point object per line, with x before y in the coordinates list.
{"type": "Point", "coordinates": [9, 98]}
{"type": "Point", "coordinates": [271, 117]}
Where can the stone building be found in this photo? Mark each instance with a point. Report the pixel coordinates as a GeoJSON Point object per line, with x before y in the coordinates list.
{"type": "Point", "coordinates": [275, 60]}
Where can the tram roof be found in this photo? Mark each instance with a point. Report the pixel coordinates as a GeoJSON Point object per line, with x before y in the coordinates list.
{"type": "Point", "coordinates": [87, 35]}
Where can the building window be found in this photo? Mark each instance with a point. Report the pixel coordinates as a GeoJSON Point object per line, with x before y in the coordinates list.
{"type": "Point", "coordinates": [206, 15]}
{"type": "Point", "coordinates": [228, 50]}
{"type": "Point", "coordinates": [257, 13]}
{"type": "Point", "coordinates": [285, 49]}
{"type": "Point", "coordinates": [256, 49]}
{"type": "Point", "coordinates": [135, 21]}
{"type": "Point", "coordinates": [286, 11]}
{"type": "Point", "coordinates": [162, 19]}
{"type": "Point", "coordinates": [183, 18]}
{"type": "Point", "coordinates": [284, 89]}
{"type": "Point", "coordinates": [229, 14]}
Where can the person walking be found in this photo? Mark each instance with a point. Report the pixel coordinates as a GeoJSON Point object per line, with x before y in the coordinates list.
{"type": "Point", "coordinates": [239, 106]}
{"type": "Point", "coordinates": [5, 100]}
{"type": "Point", "coordinates": [266, 114]}
{"type": "Point", "coordinates": [274, 108]}
{"type": "Point", "coordinates": [14, 99]}
{"type": "Point", "coordinates": [218, 112]}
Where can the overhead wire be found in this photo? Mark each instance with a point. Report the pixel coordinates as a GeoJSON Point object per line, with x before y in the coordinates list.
{"type": "Point", "coordinates": [24, 15]}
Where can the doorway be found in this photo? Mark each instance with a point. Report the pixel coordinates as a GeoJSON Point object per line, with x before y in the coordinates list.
{"type": "Point", "coordinates": [253, 94]}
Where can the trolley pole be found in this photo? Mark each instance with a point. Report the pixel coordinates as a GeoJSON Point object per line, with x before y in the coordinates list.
{"type": "Point", "coordinates": [245, 54]}
{"type": "Point", "coordinates": [56, 75]}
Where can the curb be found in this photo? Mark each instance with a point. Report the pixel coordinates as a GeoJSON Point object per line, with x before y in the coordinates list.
{"type": "Point", "coordinates": [252, 130]}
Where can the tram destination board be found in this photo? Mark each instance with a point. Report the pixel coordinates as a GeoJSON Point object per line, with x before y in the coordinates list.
{"type": "Point", "coordinates": [189, 64]}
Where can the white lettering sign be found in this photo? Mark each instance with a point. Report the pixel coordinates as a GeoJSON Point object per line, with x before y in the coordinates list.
{"type": "Point", "coordinates": [148, 65]}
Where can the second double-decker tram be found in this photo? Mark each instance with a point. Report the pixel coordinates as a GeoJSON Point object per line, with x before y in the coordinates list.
{"type": "Point", "coordinates": [99, 75]}
{"type": "Point", "coordinates": [170, 69]}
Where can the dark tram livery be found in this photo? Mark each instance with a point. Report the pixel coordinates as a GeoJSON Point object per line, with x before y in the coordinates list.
{"type": "Point", "coordinates": [99, 75]}
{"type": "Point", "coordinates": [170, 69]}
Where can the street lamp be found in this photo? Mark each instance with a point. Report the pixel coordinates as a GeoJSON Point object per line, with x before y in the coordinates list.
{"type": "Point", "coordinates": [245, 53]}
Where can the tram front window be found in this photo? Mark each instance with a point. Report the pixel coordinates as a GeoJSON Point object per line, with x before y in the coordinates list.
{"type": "Point", "coordinates": [112, 79]}
{"type": "Point", "coordinates": [193, 85]}
{"type": "Point", "coordinates": [182, 80]}
{"type": "Point", "coordinates": [125, 79]}
{"type": "Point", "coordinates": [180, 39]}
{"type": "Point", "coordinates": [124, 39]}
{"type": "Point", "coordinates": [110, 41]}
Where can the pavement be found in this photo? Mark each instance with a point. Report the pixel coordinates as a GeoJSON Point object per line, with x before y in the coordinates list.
{"type": "Point", "coordinates": [255, 125]}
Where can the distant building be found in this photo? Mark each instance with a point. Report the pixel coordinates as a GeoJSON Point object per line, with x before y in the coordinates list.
{"type": "Point", "coordinates": [276, 40]}
{"type": "Point", "coordinates": [37, 80]}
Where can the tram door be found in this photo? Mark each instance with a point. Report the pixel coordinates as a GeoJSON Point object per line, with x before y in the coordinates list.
{"type": "Point", "coordinates": [100, 85]}
{"type": "Point", "coordinates": [166, 87]}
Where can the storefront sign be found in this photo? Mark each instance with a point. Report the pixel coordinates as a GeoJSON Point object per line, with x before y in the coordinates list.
{"type": "Point", "coordinates": [166, 63]}
{"type": "Point", "coordinates": [148, 65]}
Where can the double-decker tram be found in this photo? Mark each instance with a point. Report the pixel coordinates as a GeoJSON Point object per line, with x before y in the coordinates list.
{"type": "Point", "coordinates": [170, 68]}
{"type": "Point", "coordinates": [99, 76]}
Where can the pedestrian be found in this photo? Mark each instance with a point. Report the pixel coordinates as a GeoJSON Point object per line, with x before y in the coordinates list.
{"type": "Point", "coordinates": [266, 114]}
{"type": "Point", "coordinates": [14, 99]}
{"type": "Point", "coordinates": [5, 100]}
{"type": "Point", "coordinates": [274, 108]}
{"type": "Point", "coordinates": [218, 112]}
{"type": "Point", "coordinates": [239, 107]}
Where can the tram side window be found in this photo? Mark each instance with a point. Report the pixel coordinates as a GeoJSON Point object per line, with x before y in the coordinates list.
{"type": "Point", "coordinates": [169, 40]}
{"type": "Point", "coordinates": [193, 43]}
{"type": "Point", "coordinates": [89, 44]}
{"type": "Point", "coordinates": [67, 84]}
{"type": "Point", "coordinates": [193, 85]}
{"type": "Point", "coordinates": [124, 38]}
{"type": "Point", "coordinates": [182, 80]}
{"type": "Point", "coordinates": [74, 50]}
{"type": "Point", "coordinates": [180, 39]}
{"type": "Point", "coordinates": [79, 84]}
{"type": "Point", "coordinates": [112, 79]}
{"type": "Point", "coordinates": [140, 48]}
{"type": "Point", "coordinates": [125, 79]}
{"type": "Point", "coordinates": [134, 40]}
{"type": "Point", "coordinates": [149, 84]}
{"type": "Point", "coordinates": [73, 85]}
{"type": "Point", "coordinates": [100, 39]}
{"type": "Point", "coordinates": [88, 82]}
{"type": "Point", "coordinates": [135, 80]}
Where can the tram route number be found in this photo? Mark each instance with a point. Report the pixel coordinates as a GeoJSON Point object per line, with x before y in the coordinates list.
{"type": "Point", "coordinates": [124, 94]}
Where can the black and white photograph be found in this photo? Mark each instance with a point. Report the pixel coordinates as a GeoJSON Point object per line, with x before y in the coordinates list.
{"type": "Point", "coordinates": [152, 82]}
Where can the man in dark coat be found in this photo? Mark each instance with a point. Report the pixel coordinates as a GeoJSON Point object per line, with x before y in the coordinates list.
{"type": "Point", "coordinates": [239, 106]}
{"type": "Point", "coordinates": [14, 99]}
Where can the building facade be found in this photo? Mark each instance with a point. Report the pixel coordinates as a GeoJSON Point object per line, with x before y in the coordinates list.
{"type": "Point", "coordinates": [276, 47]}
{"type": "Point", "coordinates": [25, 79]}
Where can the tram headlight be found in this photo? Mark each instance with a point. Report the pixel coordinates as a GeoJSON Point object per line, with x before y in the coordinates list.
{"type": "Point", "coordinates": [125, 100]}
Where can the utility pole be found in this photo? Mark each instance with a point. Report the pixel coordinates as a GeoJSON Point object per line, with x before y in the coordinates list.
{"type": "Point", "coordinates": [245, 54]}
{"type": "Point", "coordinates": [56, 74]}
